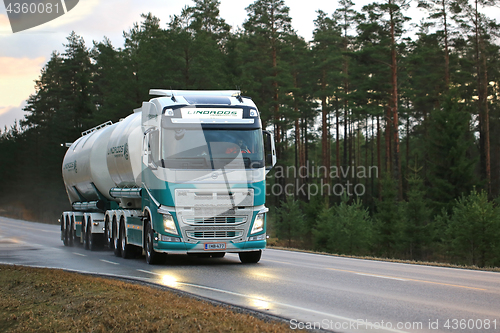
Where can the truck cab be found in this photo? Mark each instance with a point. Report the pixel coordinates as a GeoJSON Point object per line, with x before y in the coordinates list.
{"type": "Point", "coordinates": [203, 174]}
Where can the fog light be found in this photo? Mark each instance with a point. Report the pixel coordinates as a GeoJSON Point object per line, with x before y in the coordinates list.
{"type": "Point", "coordinates": [169, 239]}
{"type": "Point", "coordinates": [257, 238]}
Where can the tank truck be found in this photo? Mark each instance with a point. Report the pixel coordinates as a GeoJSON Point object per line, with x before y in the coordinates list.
{"type": "Point", "coordinates": [183, 174]}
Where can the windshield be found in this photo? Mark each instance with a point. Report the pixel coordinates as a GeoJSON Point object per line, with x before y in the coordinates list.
{"type": "Point", "coordinates": [212, 149]}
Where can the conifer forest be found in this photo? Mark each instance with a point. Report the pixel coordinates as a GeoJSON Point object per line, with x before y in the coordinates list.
{"type": "Point", "coordinates": [387, 133]}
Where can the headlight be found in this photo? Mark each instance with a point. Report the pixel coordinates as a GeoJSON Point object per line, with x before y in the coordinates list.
{"type": "Point", "coordinates": [169, 224]}
{"type": "Point", "coordinates": [258, 224]}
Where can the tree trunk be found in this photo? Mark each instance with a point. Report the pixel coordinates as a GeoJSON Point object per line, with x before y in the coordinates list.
{"type": "Point", "coordinates": [379, 161]}
{"type": "Point", "coordinates": [325, 151]}
{"type": "Point", "coordinates": [446, 48]}
{"type": "Point", "coordinates": [395, 120]}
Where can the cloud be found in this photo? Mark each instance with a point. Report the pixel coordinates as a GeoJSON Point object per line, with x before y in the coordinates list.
{"type": "Point", "coordinates": [10, 66]}
{"type": "Point", "coordinates": [81, 11]}
{"type": "Point", "coordinates": [4, 25]}
{"type": "Point", "coordinates": [17, 76]}
{"type": "Point", "coordinates": [8, 115]}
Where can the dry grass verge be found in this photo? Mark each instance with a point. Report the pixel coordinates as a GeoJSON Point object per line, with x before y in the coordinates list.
{"type": "Point", "coordinates": [48, 300]}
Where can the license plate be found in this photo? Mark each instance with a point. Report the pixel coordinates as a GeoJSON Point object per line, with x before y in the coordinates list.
{"type": "Point", "coordinates": [215, 246]}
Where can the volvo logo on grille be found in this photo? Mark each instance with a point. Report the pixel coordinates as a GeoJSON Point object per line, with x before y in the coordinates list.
{"type": "Point", "coordinates": [215, 175]}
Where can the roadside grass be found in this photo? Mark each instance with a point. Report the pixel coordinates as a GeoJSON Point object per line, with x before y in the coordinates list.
{"type": "Point", "coordinates": [278, 246]}
{"type": "Point", "coordinates": [49, 300]}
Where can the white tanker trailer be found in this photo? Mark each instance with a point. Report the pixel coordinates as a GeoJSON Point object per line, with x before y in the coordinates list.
{"type": "Point", "coordinates": [185, 173]}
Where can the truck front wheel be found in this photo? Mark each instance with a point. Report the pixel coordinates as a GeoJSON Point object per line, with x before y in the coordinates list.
{"type": "Point", "coordinates": [250, 257]}
{"type": "Point", "coordinates": [152, 257]}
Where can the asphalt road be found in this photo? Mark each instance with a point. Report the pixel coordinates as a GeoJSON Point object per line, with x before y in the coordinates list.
{"type": "Point", "coordinates": [313, 291]}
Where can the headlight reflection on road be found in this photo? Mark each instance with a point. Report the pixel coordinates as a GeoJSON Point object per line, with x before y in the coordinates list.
{"type": "Point", "coordinates": [169, 281]}
{"type": "Point", "coordinates": [259, 302]}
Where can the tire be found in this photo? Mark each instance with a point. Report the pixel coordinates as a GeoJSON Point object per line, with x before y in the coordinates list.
{"type": "Point", "coordinates": [86, 235]}
{"type": "Point", "coordinates": [250, 257]}
{"type": "Point", "coordinates": [116, 239]}
{"type": "Point", "coordinates": [152, 257]}
{"type": "Point", "coordinates": [92, 242]}
{"type": "Point", "coordinates": [66, 236]}
{"type": "Point", "coordinates": [108, 234]}
{"type": "Point", "coordinates": [126, 249]}
{"type": "Point", "coordinates": [71, 234]}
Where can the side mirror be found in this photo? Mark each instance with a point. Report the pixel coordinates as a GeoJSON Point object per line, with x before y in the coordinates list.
{"type": "Point", "coordinates": [269, 159]}
{"type": "Point", "coordinates": [151, 148]}
{"type": "Point", "coordinates": [150, 115]}
{"type": "Point", "coordinates": [270, 150]}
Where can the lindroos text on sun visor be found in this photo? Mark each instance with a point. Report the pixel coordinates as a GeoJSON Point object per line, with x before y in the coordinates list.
{"type": "Point", "coordinates": [211, 113]}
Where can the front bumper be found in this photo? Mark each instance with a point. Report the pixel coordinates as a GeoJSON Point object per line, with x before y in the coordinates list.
{"type": "Point", "coordinates": [186, 248]}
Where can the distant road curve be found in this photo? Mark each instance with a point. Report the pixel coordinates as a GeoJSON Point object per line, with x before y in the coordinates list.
{"type": "Point", "coordinates": [312, 290]}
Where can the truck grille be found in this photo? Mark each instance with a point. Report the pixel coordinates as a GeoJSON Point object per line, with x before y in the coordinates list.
{"type": "Point", "coordinates": [204, 220]}
{"type": "Point", "coordinates": [219, 234]}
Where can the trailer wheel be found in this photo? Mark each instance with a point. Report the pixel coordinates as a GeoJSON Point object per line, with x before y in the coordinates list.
{"type": "Point", "coordinates": [152, 257]}
{"type": "Point", "coordinates": [92, 239]}
{"type": "Point", "coordinates": [71, 234]}
{"type": "Point", "coordinates": [66, 233]}
{"type": "Point", "coordinates": [126, 249]}
{"type": "Point", "coordinates": [250, 257]}
{"type": "Point", "coordinates": [116, 239]}
{"type": "Point", "coordinates": [64, 230]}
{"type": "Point", "coordinates": [108, 234]}
{"type": "Point", "coordinates": [85, 235]}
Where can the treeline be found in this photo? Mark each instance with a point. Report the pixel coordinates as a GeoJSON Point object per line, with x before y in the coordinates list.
{"type": "Point", "coordinates": [403, 132]}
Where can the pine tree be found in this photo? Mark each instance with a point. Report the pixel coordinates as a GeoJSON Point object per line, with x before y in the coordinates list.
{"type": "Point", "coordinates": [77, 106]}
{"type": "Point", "coordinates": [474, 230]}
{"type": "Point", "coordinates": [196, 44]}
{"type": "Point", "coordinates": [205, 17]}
{"type": "Point", "coordinates": [388, 220]}
{"type": "Point", "coordinates": [290, 222]}
{"type": "Point", "coordinates": [266, 27]}
{"type": "Point", "coordinates": [110, 88]}
{"type": "Point", "coordinates": [479, 27]}
{"type": "Point", "coordinates": [451, 166]}
{"type": "Point", "coordinates": [417, 233]}
{"type": "Point", "coordinates": [440, 12]}
{"type": "Point", "coordinates": [328, 58]}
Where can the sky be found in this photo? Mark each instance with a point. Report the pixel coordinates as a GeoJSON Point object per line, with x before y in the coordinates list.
{"type": "Point", "coordinates": [23, 54]}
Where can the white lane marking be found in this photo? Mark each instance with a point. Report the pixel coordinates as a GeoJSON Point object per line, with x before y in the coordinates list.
{"type": "Point", "coordinates": [79, 254]}
{"type": "Point", "coordinates": [382, 277]}
{"type": "Point", "coordinates": [153, 273]}
{"type": "Point", "coordinates": [109, 262]}
{"type": "Point", "coordinates": [356, 323]}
